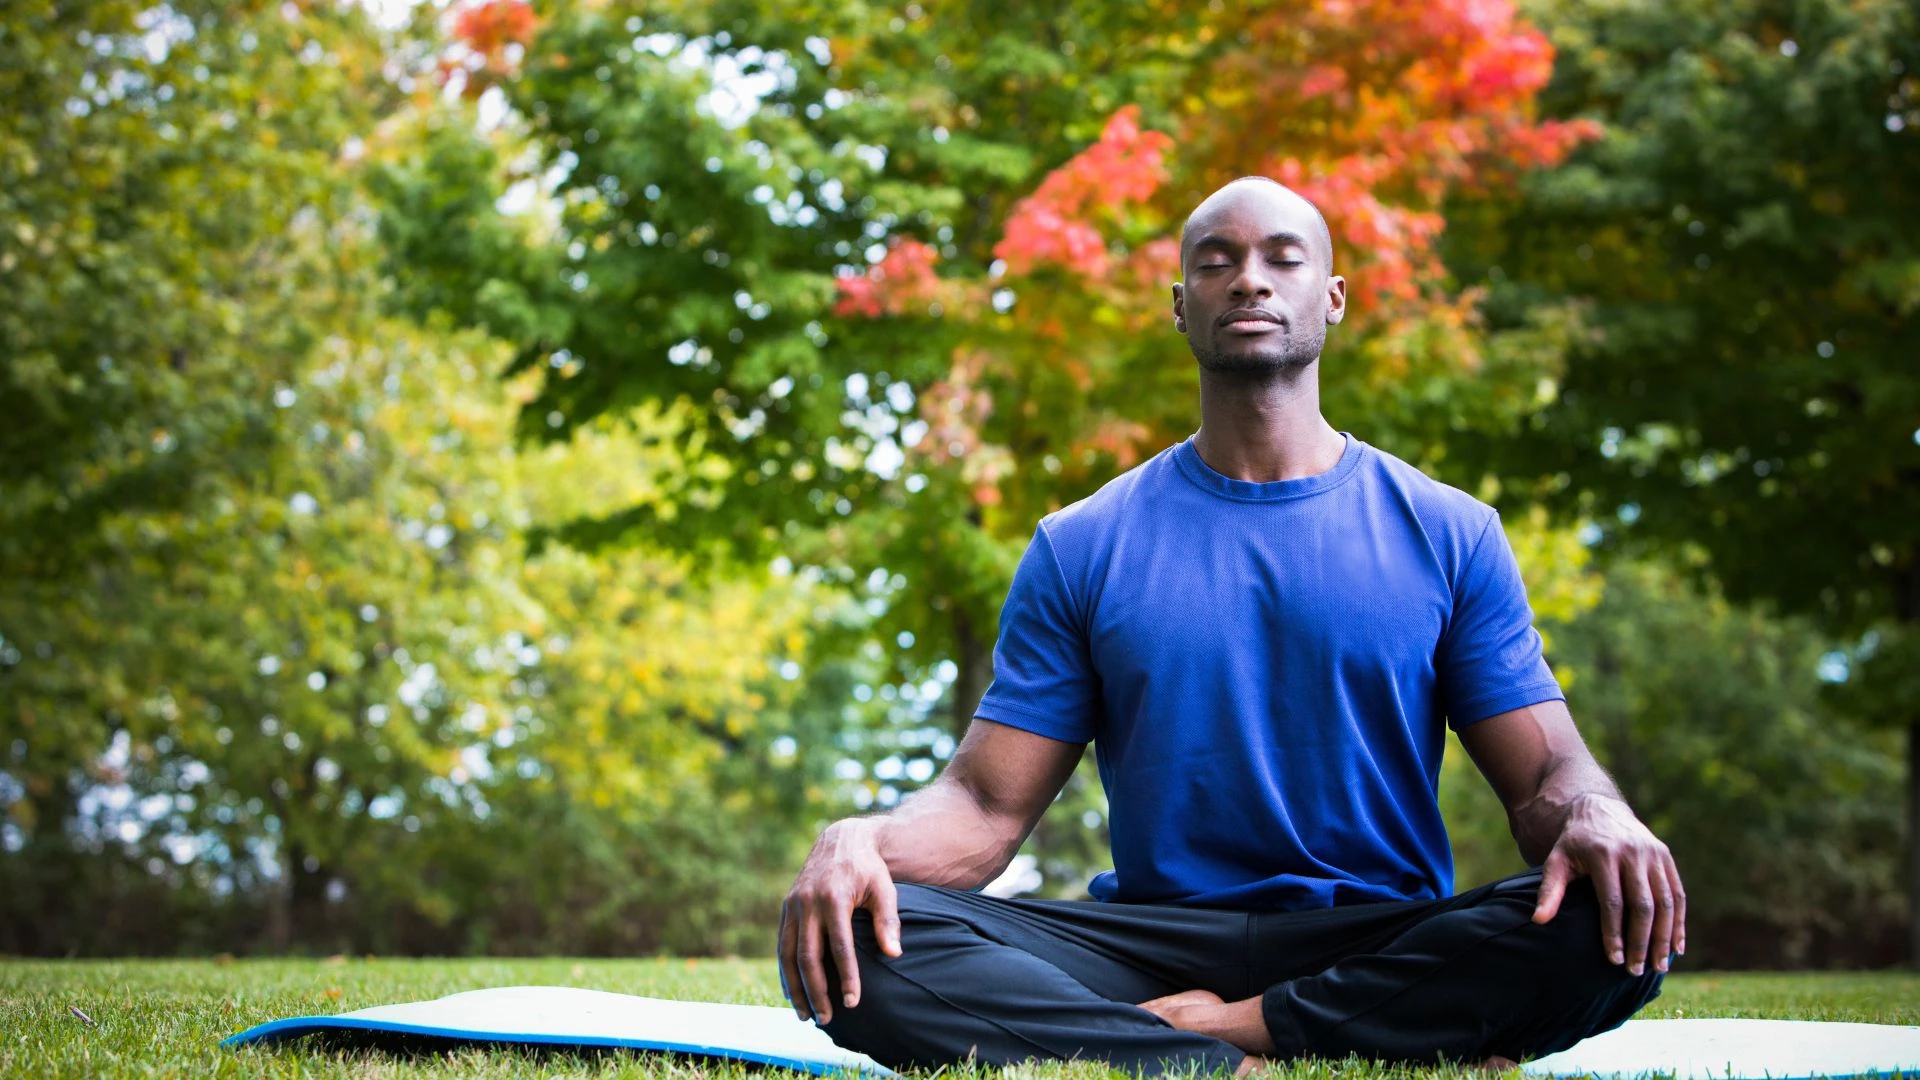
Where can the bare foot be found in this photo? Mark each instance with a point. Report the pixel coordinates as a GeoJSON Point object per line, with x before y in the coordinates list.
{"type": "Point", "coordinates": [1498, 1064]}
{"type": "Point", "coordinates": [1236, 1022]}
{"type": "Point", "coordinates": [1182, 1006]}
{"type": "Point", "coordinates": [1181, 1010]}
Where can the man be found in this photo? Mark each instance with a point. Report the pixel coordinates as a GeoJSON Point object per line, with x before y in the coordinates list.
{"type": "Point", "coordinates": [1262, 630]}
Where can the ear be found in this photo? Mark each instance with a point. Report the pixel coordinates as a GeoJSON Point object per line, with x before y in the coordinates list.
{"type": "Point", "coordinates": [1179, 308]}
{"type": "Point", "coordinates": [1336, 299]}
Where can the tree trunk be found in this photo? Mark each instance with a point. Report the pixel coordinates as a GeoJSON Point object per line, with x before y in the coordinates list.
{"type": "Point", "coordinates": [974, 657]}
{"type": "Point", "coordinates": [296, 914]}
{"type": "Point", "coordinates": [1907, 605]}
{"type": "Point", "coordinates": [279, 915]}
{"type": "Point", "coordinates": [1913, 843]}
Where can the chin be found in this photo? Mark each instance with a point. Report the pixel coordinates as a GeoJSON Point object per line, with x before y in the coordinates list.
{"type": "Point", "coordinates": [1256, 363]}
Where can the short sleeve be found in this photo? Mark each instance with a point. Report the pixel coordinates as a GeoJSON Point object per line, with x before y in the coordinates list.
{"type": "Point", "coordinates": [1043, 677]}
{"type": "Point", "coordinates": [1490, 659]}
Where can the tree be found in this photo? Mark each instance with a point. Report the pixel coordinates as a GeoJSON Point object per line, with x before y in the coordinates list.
{"type": "Point", "coordinates": [164, 173]}
{"type": "Point", "coordinates": [340, 690]}
{"type": "Point", "coordinates": [276, 663]}
{"type": "Point", "coordinates": [913, 285]}
{"type": "Point", "coordinates": [754, 263]}
{"type": "Point", "coordinates": [157, 165]}
{"type": "Point", "coordinates": [1735, 264]}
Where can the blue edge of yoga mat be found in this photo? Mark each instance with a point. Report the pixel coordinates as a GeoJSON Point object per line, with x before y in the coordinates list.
{"type": "Point", "coordinates": [1730, 1049]}
{"type": "Point", "coordinates": [557, 1016]}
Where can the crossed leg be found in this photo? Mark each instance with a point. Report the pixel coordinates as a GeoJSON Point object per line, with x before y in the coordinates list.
{"type": "Point", "coordinates": [1465, 979]}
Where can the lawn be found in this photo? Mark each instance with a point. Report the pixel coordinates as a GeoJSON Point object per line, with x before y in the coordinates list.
{"type": "Point", "coordinates": [167, 1017]}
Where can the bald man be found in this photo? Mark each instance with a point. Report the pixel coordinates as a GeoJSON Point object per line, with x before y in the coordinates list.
{"type": "Point", "coordinates": [1264, 631]}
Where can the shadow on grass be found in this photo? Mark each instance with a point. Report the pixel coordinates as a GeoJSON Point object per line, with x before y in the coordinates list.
{"type": "Point", "coordinates": [363, 1047]}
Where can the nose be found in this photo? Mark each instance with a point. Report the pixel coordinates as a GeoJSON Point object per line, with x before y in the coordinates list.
{"type": "Point", "coordinates": [1252, 280]}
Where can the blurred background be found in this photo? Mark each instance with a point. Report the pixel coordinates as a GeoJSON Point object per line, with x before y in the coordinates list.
{"type": "Point", "coordinates": [497, 478]}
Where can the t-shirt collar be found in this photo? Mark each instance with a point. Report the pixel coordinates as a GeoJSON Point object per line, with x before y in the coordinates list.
{"type": "Point", "coordinates": [1207, 479]}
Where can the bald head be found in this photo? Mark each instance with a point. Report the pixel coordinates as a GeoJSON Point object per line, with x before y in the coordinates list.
{"type": "Point", "coordinates": [1257, 290]}
{"type": "Point", "coordinates": [1258, 194]}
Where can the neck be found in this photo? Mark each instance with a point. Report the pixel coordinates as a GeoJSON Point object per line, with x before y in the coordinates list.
{"type": "Point", "coordinates": [1263, 428]}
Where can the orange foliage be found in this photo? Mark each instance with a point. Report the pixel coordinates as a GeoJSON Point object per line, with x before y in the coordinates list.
{"type": "Point", "coordinates": [1373, 109]}
{"type": "Point", "coordinates": [1057, 223]}
{"type": "Point", "coordinates": [489, 26]}
{"type": "Point", "coordinates": [484, 30]}
{"type": "Point", "coordinates": [1388, 107]}
{"type": "Point", "coordinates": [902, 283]}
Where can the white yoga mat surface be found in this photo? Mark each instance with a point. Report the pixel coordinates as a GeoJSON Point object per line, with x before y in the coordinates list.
{"type": "Point", "coordinates": [563, 1016]}
{"type": "Point", "coordinates": [1738, 1049]}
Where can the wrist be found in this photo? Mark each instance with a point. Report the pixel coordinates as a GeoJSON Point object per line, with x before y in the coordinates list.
{"type": "Point", "coordinates": [856, 834]}
{"type": "Point", "coordinates": [1595, 804]}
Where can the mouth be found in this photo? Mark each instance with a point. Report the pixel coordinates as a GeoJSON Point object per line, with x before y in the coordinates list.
{"type": "Point", "coordinates": [1251, 321]}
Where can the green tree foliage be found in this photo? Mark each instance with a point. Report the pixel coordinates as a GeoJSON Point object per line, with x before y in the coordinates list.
{"type": "Point", "coordinates": [752, 200]}
{"type": "Point", "coordinates": [909, 270]}
{"type": "Point", "coordinates": [340, 688]}
{"type": "Point", "coordinates": [1737, 262]}
{"type": "Point", "coordinates": [276, 664]}
{"type": "Point", "coordinates": [317, 630]}
{"type": "Point", "coordinates": [158, 164]}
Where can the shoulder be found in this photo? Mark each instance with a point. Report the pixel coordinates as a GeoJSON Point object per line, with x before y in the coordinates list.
{"type": "Point", "coordinates": [1440, 506]}
{"type": "Point", "coordinates": [1448, 522]}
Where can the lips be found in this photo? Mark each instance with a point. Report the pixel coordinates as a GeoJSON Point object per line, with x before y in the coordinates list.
{"type": "Point", "coordinates": [1251, 321]}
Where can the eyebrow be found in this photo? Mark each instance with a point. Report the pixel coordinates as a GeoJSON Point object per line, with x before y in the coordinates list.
{"type": "Point", "coordinates": [1215, 240]}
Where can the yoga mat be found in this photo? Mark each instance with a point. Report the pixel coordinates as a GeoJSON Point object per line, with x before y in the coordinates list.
{"type": "Point", "coordinates": [1738, 1050]}
{"type": "Point", "coordinates": [563, 1016]}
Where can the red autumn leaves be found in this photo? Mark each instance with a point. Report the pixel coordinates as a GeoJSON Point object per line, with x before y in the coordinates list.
{"type": "Point", "coordinates": [490, 34]}
{"type": "Point", "coordinates": [1372, 108]}
{"type": "Point", "coordinates": [1058, 223]}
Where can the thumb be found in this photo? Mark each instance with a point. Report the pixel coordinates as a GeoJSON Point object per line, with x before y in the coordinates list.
{"type": "Point", "coordinates": [1553, 886]}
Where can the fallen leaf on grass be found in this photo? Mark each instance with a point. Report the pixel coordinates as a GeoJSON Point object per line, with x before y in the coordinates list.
{"type": "Point", "coordinates": [75, 1010]}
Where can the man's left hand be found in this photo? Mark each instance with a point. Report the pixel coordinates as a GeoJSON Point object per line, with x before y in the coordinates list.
{"type": "Point", "coordinates": [1643, 907]}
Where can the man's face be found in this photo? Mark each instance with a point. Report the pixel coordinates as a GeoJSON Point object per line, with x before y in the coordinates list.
{"type": "Point", "coordinates": [1259, 292]}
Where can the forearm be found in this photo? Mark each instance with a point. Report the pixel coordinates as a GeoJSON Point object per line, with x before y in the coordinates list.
{"type": "Point", "coordinates": [1563, 786]}
{"type": "Point", "coordinates": [941, 835]}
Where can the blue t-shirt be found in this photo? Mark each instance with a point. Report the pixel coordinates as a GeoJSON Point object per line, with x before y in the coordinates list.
{"type": "Point", "coordinates": [1264, 671]}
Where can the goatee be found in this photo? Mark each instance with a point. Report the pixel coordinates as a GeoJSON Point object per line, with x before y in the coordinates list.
{"type": "Point", "coordinates": [1293, 359]}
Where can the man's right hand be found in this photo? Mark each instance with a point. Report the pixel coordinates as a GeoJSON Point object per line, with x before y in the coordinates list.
{"type": "Point", "coordinates": [843, 874]}
{"type": "Point", "coordinates": [958, 831]}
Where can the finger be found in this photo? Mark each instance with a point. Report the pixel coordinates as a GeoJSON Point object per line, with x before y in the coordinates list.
{"type": "Point", "coordinates": [1606, 888]}
{"type": "Point", "coordinates": [1640, 912]}
{"type": "Point", "coordinates": [1660, 940]}
{"type": "Point", "coordinates": [813, 972]}
{"type": "Point", "coordinates": [1553, 887]}
{"type": "Point", "coordinates": [886, 916]}
{"type": "Point", "coordinates": [845, 960]}
{"type": "Point", "coordinates": [789, 966]}
{"type": "Point", "coordinates": [1679, 908]}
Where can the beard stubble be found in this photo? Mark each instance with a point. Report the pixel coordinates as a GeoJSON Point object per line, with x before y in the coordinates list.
{"type": "Point", "coordinates": [1296, 354]}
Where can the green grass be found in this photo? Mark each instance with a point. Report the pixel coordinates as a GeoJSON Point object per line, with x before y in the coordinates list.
{"type": "Point", "coordinates": [165, 1018]}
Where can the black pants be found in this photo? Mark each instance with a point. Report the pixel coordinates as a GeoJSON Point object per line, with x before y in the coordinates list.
{"type": "Point", "coordinates": [1461, 979]}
